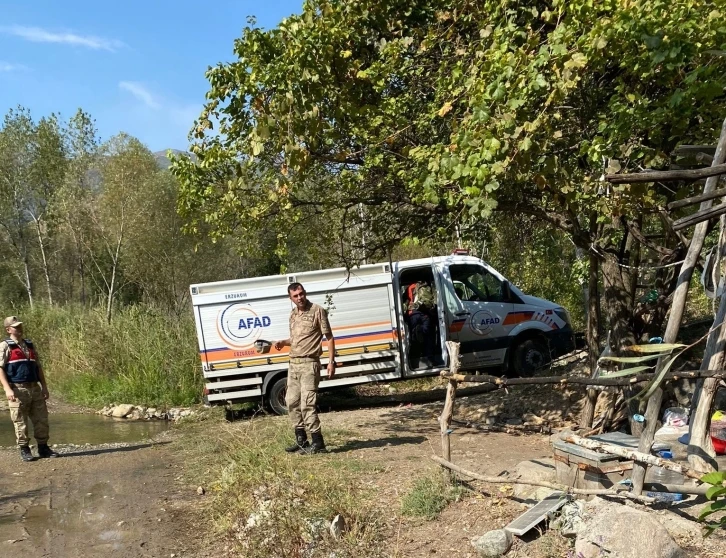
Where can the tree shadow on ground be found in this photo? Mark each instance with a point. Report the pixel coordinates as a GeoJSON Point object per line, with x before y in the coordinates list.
{"type": "Point", "coordinates": [378, 443]}
{"type": "Point", "coordinates": [31, 494]}
{"type": "Point", "coordinates": [99, 451]}
{"type": "Point", "coordinates": [341, 400]}
{"type": "Point", "coordinates": [332, 401]}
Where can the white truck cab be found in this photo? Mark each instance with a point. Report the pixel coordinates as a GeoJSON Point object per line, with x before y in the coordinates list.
{"type": "Point", "coordinates": [381, 332]}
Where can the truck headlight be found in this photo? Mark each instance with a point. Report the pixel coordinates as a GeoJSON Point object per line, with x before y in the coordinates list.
{"type": "Point", "coordinates": [563, 315]}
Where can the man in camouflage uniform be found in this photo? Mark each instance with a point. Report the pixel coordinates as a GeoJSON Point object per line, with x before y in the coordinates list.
{"type": "Point", "coordinates": [308, 323]}
{"type": "Point", "coordinates": [24, 384]}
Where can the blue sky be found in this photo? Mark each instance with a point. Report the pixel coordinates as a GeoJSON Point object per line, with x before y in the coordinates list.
{"type": "Point", "coordinates": [136, 67]}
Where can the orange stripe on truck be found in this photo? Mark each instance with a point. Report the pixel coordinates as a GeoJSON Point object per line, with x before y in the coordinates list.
{"type": "Point", "coordinates": [225, 354]}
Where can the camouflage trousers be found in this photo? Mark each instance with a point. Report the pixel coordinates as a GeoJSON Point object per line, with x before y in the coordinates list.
{"type": "Point", "coordinates": [29, 404]}
{"type": "Point", "coordinates": [303, 378]}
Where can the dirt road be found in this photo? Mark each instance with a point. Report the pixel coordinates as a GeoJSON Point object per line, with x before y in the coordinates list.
{"type": "Point", "coordinates": [131, 500]}
{"type": "Point", "coordinates": [101, 501]}
{"type": "Point", "coordinates": [134, 500]}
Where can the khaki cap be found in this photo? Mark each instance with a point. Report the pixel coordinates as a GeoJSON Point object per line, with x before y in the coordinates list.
{"type": "Point", "coordinates": [12, 321]}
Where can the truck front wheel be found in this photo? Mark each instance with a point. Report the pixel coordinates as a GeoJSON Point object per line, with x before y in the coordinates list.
{"type": "Point", "coordinates": [276, 396]}
{"type": "Point", "coordinates": [529, 356]}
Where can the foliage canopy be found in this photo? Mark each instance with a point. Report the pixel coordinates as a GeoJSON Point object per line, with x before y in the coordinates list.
{"type": "Point", "coordinates": [433, 113]}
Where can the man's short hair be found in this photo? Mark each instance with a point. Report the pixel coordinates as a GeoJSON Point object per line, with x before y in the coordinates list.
{"type": "Point", "coordinates": [294, 287]}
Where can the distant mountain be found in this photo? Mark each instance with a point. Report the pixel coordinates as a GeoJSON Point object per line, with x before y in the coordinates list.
{"type": "Point", "coordinates": [163, 161]}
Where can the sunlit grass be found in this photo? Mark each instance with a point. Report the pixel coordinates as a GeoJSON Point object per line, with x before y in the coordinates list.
{"type": "Point", "coordinates": [144, 356]}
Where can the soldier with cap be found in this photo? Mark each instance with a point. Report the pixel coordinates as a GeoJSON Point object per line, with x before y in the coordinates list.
{"type": "Point", "coordinates": [308, 323]}
{"type": "Point", "coordinates": [24, 384]}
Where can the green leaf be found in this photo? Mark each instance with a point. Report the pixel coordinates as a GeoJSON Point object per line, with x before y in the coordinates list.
{"type": "Point", "coordinates": [712, 507]}
{"type": "Point", "coordinates": [626, 372]}
{"type": "Point", "coordinates": [656, 348]}
{"type": "Point", "coordinates": [632, 359]}
{"type": "Point", "coordinates": [715, 491]}
{"type": "Point", "coordinates": [715, 478]}
{"type": "Point", "coordinates": [655, 382]}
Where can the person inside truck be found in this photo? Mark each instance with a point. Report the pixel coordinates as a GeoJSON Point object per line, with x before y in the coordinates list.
{"type": "Point", "coordinates": [421, 321]}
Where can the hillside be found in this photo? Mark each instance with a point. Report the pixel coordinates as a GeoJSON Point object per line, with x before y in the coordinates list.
{"type": "Point", "coordinates": [163, 160]}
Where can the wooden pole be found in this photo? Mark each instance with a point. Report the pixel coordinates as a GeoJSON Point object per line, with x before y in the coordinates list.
{"type": "Point", "coordinates": [665, 176]}
{"type": "Point", "coordinates": [582, 381]}
{"type": "Point", "coordinates": [676, 314]}
{"type": "Point", "coordinates": [697, 199]}
{"type": "Point", "coordinates": [448, 412]}
{"type": "Point", "coordinates": [622, 492]}
{"type": "Point", "coordinates": [701, 216]}
{"type": "Point", "coordinates": [701, 455]}
{"type": "Point", "coordinates": [632, 455]}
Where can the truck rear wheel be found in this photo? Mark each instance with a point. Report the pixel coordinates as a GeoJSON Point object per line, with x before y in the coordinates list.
{"type": "Point", "coordinates": [276, 396]}
{"type": "Point", "coordinates": [529, 356]}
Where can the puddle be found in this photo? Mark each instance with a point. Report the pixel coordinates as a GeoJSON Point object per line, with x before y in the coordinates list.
{"type": "Point", "coordinates": [88, 429]}
{"type": "Point", "coordinates": [81, 514]}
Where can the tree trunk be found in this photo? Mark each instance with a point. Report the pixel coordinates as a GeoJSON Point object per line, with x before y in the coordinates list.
{"type": "Point", "coordinates": [593, 338]}
{"type": "Point", "coordinates": [112, 284]}
{"type": "Point", "coordinates": [676, 316]}
{"type": "Point", "coordinates": [28, 286]}
{"type": "Point", "coordinates": [41, 244]}
{"type": "Point", "coordinates": [619, 307]}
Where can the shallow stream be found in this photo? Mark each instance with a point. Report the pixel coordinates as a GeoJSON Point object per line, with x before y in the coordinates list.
{"type": "Point", "coordinates": [79, 429]}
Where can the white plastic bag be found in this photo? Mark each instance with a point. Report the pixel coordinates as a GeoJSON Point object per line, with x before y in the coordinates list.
{"type": "Point", "coordinates": [675, 416]}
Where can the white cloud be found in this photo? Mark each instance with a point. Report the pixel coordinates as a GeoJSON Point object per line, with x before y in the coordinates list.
{"type": "Point", "coordinates": [8, 67]}
{"type": "Point", "coordinates": [140, 92]}
{"type": "Point", "coordinates": [159, 121]}
{"type": "Point", "coordinates": [39, 35]}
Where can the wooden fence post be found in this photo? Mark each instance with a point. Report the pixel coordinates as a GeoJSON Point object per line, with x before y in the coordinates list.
{"type": "Point", "coordinates": [676, 316]}
{"type": "Point", "coordinates": [448, 412]}
{"type": "Point", "coordinates": [701, 455]}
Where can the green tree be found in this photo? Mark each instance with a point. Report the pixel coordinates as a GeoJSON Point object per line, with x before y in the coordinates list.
{"type": "Point", "coordinates": [15, 177]}
{"type": "Point", "coordinates": [74, 201]}
{"type": "Point", "coordinates": [128, 170]}
{"type": "Point", "coordinates": [432, 114]}
{"type": "Point", "coordinates": [48, 169]}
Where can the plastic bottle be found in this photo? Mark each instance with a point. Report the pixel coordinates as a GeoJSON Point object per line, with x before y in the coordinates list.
{"type": "Point", "coordinates": [660, 475]}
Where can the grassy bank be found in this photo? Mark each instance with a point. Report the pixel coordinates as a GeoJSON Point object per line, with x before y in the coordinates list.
{"type": "Point", "coordinates": [144, 356]}
{"type": "Point", "coordinates": [270, 503]}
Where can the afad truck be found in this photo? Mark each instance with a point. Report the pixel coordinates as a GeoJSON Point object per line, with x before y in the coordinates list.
{"type": "Point", "coordinates": [370, 311]}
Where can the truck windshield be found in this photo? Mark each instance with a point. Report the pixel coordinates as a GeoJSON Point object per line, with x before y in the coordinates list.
{"type": "Point", "coordinates": [474, 283]}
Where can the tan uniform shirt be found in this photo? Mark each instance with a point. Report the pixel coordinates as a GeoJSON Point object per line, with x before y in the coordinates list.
{"type": "Point", "coordinates": [306, 331]}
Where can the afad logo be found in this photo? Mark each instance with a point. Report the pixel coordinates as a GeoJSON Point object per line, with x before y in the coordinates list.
{"type": "Point", "coordinates": [240, 326]}
{"type": "Point", "coordinates": [483, 321]}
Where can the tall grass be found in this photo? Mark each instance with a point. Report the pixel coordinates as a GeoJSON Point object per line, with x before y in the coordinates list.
{"type": "Point", "coordinates": [271, 503]}
{"type": "Point", "coordinates": [144, 356]}
{"type": "Point", "coordinates": [429, 496]}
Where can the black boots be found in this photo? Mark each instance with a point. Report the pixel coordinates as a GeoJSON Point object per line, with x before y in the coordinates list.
{"type": "Point", "coordinates": [26, 454]}
{"type": "Point", "coordinates": [45, 451]}
{"type": "Point", "coordinates": [318, 445]}
{"type": "Point", "coordinates": [301, 441]}
{"type": "Point", "coordinates": [302, 445]}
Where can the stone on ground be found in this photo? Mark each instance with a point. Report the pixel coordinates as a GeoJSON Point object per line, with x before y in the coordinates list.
{"type": "Point", "coordinates": [337, 526]}
{"type": "Point", "coordinates": [493, 544]}
{"type": "Point", "coordinates": [535, 470]}
{"type": "Point", "coordinates": [613, 529]}
{"type": "Point", "coordinates": [120, 411]}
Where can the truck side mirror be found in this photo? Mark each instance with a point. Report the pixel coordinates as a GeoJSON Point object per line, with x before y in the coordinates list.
{"type": "Point", "coordinates": [506, 291]}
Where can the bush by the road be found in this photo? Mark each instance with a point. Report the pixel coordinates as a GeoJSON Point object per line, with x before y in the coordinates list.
{"type": "Point", "coordinates": [144, 356]}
